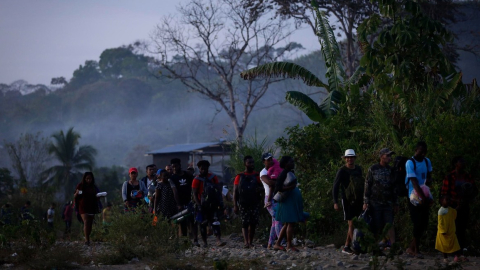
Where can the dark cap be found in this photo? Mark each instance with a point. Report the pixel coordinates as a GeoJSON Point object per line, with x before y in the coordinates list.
{"type": "Point", "coordinates": [266, 156]}
{"type": "Point", "coordinates": [385, 151]}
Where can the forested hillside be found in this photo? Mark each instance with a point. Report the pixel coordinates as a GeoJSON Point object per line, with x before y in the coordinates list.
{"type": "Point", "coordinates": [123, 107]}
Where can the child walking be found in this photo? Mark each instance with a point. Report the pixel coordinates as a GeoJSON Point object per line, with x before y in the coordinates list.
{"type": "Point", "coordinates": [447, 242]}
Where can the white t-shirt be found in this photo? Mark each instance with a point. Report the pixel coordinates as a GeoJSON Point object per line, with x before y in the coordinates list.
{"type": "Point", "coordinates": [50, 212]}
{"type": "Point", "coordinates": [265, 186]}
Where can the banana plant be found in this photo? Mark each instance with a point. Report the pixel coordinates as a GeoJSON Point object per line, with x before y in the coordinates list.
{"type": "Point", "coordinates": [337, 82]}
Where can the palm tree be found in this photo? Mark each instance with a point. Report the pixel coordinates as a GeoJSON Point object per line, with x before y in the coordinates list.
{"type": "Point", "coordinates": [72, 158]}
{"type": "Point", "coordinates": [338, 83]}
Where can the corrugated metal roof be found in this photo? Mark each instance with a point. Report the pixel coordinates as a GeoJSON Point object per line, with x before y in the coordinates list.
{"type": "Point", "coordinates": [182, 148]}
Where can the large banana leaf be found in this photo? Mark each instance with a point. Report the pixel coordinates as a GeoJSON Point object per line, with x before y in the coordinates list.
{"type": "Point", "coordinates": [284, 69]}
{"type": "Point", "coordinates": [306, 105]}
{"type": "Point", "coordinates": [330, 50]}
{"type": "Point", "coordinates": [329, 105]}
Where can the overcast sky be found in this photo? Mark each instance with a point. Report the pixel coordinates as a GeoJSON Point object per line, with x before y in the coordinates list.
{"type": "Point", "coordinates": [42, 39]}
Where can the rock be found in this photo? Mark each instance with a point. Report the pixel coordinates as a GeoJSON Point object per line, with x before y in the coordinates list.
{"type": "Point", "coordinates": [420, 263]}
{"type": "Point", "coordinates": [294, 265]}
{"type": "Point", "coordinates": [309, 243]}
{"type": "Point", "coordinates": [305, 254]}
{"type": "Point", "coordinates": [355, 257]}
{"type": "Point", "coordinates": [8, 265]}
{"type": "Point", "coordinates": [318, 267]}
{"type": "Point", "coordinates": [272, 263]}
{"type": "Point", "coordinates": [339, 263]}
{"type": "Point", "coordinates": [147, 267]}
{"type": "Point", "coordinates": [284, 257]}
{"type": "Point", "coordinates": [330, 246]}
{"type": "Point", "coordinates": [92, 263]}
{"type": "Point", "coordinates": [351, 266]}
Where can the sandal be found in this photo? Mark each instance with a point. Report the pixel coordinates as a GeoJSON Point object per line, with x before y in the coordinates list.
{"type": "Point", "coordinates": [275, 247]}
{"type": "Point", "coordinates": [292, 249]}
{"type": "Point", "coordinates": [246, 246]}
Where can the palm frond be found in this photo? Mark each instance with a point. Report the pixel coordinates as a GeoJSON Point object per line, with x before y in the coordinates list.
{"type": "Point", "coordinates": [283, 69]}
{"type": "Point", "coordinates": [356, 76]}
{"type": "Point", "coordinates": [330, 50]}
{"type": "Point", "coordinates": [305, 104]}
{"type": "Point", "coordinates": [330, 104]}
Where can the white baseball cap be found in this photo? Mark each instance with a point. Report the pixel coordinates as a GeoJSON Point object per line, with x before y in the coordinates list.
{"type": "Point", "coordinates": [349, 153]}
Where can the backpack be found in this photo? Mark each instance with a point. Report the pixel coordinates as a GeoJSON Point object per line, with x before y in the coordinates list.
{"type": "Point", "coordinates": [400, 173]}
{"type": "Point", "coordinates": [355, 189]}
{"type": "Point", "coordinates": [248, 189]}
{"type": "Point", "coordinates": [212, 195]}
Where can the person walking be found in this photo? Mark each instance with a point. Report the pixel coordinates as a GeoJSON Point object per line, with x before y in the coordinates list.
{"type": "Point", "coordinates": [88, 203]}
{"type": "Point", "coordinates": [133, 191]}
{"type": "Point", "coordinates": [51, 215]}
{"type": "Point", "coordinates": [207, 196]}
{"type": "Point", "coordinates": [460, 186]}
{"type": "Point", "coordinates": [419, 175]}
{"type": "Point", "coordinates": [165, 197]}
{"type": "Point", "coordinates": [380, 197]}
{"type": "Point", "coordinates": [290, 203]}
{"type": "Point", "coordinates": [350, 181]}
{"type": "Point", "coordinates": [183, 188]}
{"type": "Point", "coordinates": [269, 185]}
{"type": "Point", "coordinates": [67, 217]}
{"type": "Point", "coordinates": [446, 241]}
{"type": "Point", "coordinates": [246, 199]}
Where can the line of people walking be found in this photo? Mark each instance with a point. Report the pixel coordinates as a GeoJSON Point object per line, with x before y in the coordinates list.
{"type": "Point", "coordinates": [380, 191]}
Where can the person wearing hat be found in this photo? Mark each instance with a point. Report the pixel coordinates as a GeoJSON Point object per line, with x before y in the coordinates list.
{"type": "Point", "coordinates": [133, 191]}
{"type": "Point", "coordinates": [380, 196]}
{"type": "Point", "coordinates": [350, 181]}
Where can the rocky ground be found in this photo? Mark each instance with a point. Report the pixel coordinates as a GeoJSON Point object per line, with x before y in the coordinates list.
{"type": "Point", "coordinates": [237, 257]}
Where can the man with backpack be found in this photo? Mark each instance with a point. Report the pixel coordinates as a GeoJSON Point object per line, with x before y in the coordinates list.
{"type": "Point", "coordinates": [247, 199]}
{"type": "Point", "coordinates": [350, 181]}
{"type": "Point", "coordinates": [207, 195]}
{"type": "Point", "coordinates": [380, 197]}
{"type": "Point", "coordinates": [418, 173]}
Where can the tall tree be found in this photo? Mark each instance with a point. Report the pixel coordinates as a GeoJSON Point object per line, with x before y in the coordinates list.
{"type": "Point", "coordinates": [86, 74]}
{"type": "Point", "coordinates": [29, 155]}
{"type": "Point", "coordinates": [211, 42]}
{"type": "Point", "coordinates": [73, 159]}
{"type": "Point", "coordinates": [337, 86]}
{"type": "Point", "coordinates": [348, 13]}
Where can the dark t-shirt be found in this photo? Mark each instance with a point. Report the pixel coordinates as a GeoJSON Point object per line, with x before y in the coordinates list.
{"type": "Point", "coordinates": [343, 179]}
{"type": "Point", "coordinates": [131, 188]}
{"type": "Point", "coordinates": [183, 183]}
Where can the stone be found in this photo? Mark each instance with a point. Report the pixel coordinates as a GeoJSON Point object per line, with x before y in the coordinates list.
{"type": "Point", "coordinates": [147, 267]}
{"type": "Point", "coordinates": [339, 263]}
{"type": "Point", "coordinates": [305, 254]}
{"type": "Point", "coordinates": [420, 263]}
{"type": "Point", "coordinates": [272, 263]}
{"type": "Point", "coordinates": [355, 257]}
{"type": "Point", "coordinates": [284, 257]}
{"type": "Point", "coordinates": [330, 246]}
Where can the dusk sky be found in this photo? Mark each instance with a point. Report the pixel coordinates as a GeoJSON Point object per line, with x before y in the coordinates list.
{"type": "Point", "coordinates": [45, 39]}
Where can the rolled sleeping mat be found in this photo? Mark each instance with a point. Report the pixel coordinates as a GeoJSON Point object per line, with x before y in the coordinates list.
{"type": "Point", "coordinates": [102, 194]}
{"type": "Point", "coordinates": [180, 214]}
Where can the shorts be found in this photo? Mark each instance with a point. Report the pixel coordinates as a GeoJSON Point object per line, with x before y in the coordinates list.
{"type": "Point", "coordinates": [249, 215]}
{"type": "Point", "coordinates": [381, 215]}
{"type": "Point", "coordinates": [351, 210]}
